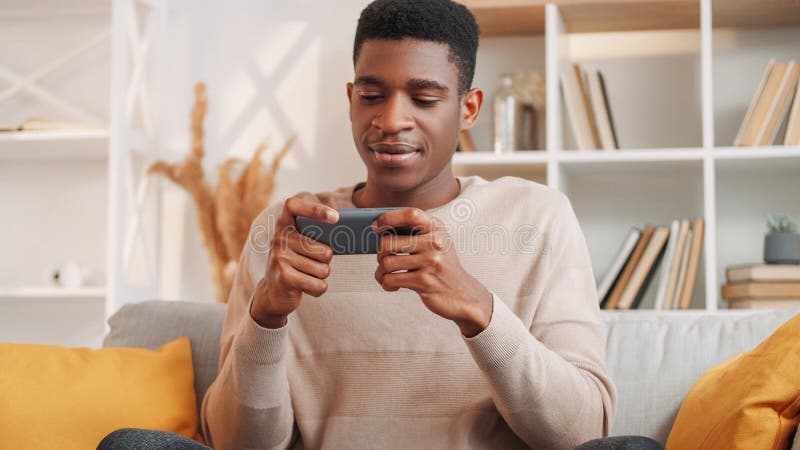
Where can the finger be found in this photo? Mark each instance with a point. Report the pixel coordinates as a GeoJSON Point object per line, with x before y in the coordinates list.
{"type": "Point", "coordinates": [306, 265]}
{"type": "Point", "coordinates": [304, 245]}
{"type": "Point", "coordinates": [437, 241]}
{"type": "Point", "coordinates": [415, 218]}
{"type": "Point", "coordinates": [409, 280]}
{"type": "Point", "coordinates": [391, 244]}
{"type": "Point", "coordinates": [296, 279]}
{"type": "Point", "coordinates": [394, 263]}
{"type": "Point", "coordinates": [308, 205]}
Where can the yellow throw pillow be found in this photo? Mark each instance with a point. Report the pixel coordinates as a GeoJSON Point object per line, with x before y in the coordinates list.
{"type": "Point", "coordinates": [749, 402]}
{"type": "Point", "coordinates": [54, 397]}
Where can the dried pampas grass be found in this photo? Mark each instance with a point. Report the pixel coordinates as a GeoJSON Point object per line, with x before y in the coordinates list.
{"type": "Point", "coordinates": [224, 216]}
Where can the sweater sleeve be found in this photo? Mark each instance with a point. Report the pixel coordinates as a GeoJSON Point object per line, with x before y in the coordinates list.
{"type": "Point", "coordinates": [248, 404]}
{"type": "Point", "coordinates": [549, 382]}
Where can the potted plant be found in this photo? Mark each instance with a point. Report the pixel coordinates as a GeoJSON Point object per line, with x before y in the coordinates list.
{"type": "Point", "coordinates": [782, 243]}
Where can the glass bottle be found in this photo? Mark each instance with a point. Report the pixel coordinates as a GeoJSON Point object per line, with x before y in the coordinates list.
{"type": "Point", "coordinates": [507, 111]}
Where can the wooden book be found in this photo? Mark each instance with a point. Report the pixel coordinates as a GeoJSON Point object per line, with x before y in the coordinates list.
{"type": "Point", "coordinates": [779, 105]}
{"type": "Point", "coordinates": [587, 106]}
{"type": "Point", "coordinates": [666, 264]}
{"type": "Point", "coordinates": [634, 291]}
{"type": "Point", "coordinates": [612, 274]}
{"type": "Point", "coordinates": [601, 112]}
{"type": "Point", "coordinates": [763, 272]}
{"type": "Point", "coordinates": [466, 142]}
{"type": "Point", "coordinates": [674, 302]}
{"type": "Point", "coordinates": [675, 265]}
{"type": "Point", "coordinates": [759, 303]}
{"type": "Point", "coordinates": [762, 109]}
{"type": "Point", "coordinates": [733, 291]}
{"type": "Point", "coordinates": [792, 136]}
{"type": "Point", "coordinates": [694, 262]}
{"type": "Point", "coordinates": [748, 115]}
{"type": "Point", "coordinates": [633, 261]}
{"type": "Point", "coordinates": [577, 114]}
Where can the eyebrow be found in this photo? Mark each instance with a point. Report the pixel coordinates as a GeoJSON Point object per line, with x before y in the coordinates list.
{"type": "Point", "coordinates": [414, 83]}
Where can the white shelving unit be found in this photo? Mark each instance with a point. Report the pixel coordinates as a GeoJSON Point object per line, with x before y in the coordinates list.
{"type": "Point", "coordinates": [54, 182]}
{"type": "Point", "coordinates": [697, 175]}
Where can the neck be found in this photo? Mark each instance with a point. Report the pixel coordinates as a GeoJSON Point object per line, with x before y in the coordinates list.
{"type": "Point", "coordinates": [434, 192]}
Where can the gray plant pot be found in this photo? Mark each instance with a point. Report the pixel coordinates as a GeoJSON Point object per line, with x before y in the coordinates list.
{"type": "Point", "coordinates": [782, 248]}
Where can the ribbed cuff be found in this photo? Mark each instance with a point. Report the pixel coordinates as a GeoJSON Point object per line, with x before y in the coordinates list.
{"type": "Point", "coordinates": [260, 345]}
{"type": "Point", "coordinates": [497, 344]}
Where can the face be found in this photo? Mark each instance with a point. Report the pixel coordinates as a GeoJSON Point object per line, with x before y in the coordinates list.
{"type": "Point", "coordinates": [405, 111]}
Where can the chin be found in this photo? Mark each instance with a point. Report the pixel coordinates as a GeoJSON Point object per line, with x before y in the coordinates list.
{"type": "Point", "coordinates": [397, 180]}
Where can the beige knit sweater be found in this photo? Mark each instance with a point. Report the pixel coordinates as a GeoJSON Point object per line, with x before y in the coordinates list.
{"type": "Point", "coordinates": [360, 367]}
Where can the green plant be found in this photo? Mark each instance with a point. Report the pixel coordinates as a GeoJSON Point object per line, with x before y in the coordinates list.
{"type": "Point", "coordinates": [780, 224]}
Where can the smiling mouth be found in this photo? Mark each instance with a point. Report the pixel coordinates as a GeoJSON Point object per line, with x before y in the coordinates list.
{"type": "Point", "coordinates": [393, 148]}
{"type": "Point", "coordinates": [394, 154]}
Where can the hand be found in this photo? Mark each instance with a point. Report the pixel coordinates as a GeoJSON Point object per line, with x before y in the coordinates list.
{"type": "Point", "coordinates": [433, 270]}
{"type": "Point", "coordinates": [296, 263]}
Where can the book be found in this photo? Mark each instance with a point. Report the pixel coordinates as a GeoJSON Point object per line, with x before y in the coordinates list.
{"type": "Point", "coordinates": [792, 136]}
{"type": "Point", "coordinates": [778, 106]}
{"type": "Point", "coordinates": [749, 114]}
{"type": "Point", "coordinates": [601, 111]}
{"type": "Point", "coordinates": [763, 104]}
{"type": "Point", "coordinates": [41, 124]}
{"type": "Point", "coordinates": [466, 142]}
{"type": "Point", "coordinates": [761, 290]}
{"type": "Point", "coordinates": [674, 301]}
{"type": "Point", "coordinates": [630, 265]}
{"type": "Point", "coordinates": [693, 264]}
{"type": "Point", "coordinates": [579, 122]}
{"type": "Point", "coordinates": [615, 269]}
{"type": "Point", "coordinates": [579, 74]}
{"type": "Point", "coordinates": [763, 272]}
{"type": "Point", "coordinates": [759, 303]}
{"type": "Point", "coordinates": [666, 263]}
{"type": "Point", "coordinates": [642, 274]}
{"type": "Point", "coordinates": [675, 267]}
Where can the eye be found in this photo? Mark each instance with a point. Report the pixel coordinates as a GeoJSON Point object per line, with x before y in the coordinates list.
{"type": "Point", "coordinates": [426, 103]}
{"type": "Point", "coordinates": [371, 98]}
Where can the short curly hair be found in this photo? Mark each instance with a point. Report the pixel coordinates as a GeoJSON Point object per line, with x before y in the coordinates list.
{"type": "Point", "coordinates": [442, 21]}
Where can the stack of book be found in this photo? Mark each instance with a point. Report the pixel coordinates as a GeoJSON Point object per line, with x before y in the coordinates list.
{"type": "Point", "coordinates": [762, 286]}
{"type": "Point", "coordinates": [770, 105]}
{"type": "Point", "coordinates": [676, 249]}
{"type": "Point", "coordinates": [586, 100]}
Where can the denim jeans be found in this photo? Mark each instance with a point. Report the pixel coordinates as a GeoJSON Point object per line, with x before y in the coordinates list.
{"type": "Point", "coordinates": [139, 439]}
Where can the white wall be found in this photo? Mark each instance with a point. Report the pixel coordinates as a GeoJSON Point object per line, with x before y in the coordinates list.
{"type": "Point", "coordinates": [271, 69]}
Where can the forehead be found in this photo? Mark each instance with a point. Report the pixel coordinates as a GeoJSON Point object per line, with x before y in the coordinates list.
{"type": "Point", "coordinates": [400, 60]}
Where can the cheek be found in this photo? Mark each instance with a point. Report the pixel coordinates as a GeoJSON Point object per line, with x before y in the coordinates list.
{"type": "Point", "coordinates": [443, 127]}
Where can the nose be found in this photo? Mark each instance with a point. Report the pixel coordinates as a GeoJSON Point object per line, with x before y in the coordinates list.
{"type": "Point", "coordinates": [394, 117]}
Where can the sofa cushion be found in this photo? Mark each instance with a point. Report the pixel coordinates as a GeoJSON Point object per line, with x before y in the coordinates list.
{"type": "Point", "coordinates": [655, 358]}
{"type": "Point", "coordinates": [749, 401]}
{"type": "Point", "coordinates": [151, 324]}
{"type": "Point", "coordinates": [70, 398]}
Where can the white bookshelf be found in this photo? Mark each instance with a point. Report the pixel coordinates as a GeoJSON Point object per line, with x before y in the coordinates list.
{"type": "Point", "coordinates": [659, 174]}
{"type": "Point", "coordinates": [53, 183]}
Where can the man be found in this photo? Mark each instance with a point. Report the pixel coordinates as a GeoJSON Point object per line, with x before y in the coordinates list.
{"type": "Point", "coordinates": [480, 331]}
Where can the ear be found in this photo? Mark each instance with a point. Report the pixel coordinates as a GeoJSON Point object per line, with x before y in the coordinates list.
{"type": "Point", "coordinates": [471, 107]}
{"type": "Point", "coordinates": [350, 92]}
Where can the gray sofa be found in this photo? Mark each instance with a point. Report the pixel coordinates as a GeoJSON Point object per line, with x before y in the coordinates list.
{"type": "Point", "coordinates": [654, 358]}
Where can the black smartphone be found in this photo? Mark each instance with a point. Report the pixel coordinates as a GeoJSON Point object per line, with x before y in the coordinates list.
{"type": "Point", "coordinates": [352, 234]}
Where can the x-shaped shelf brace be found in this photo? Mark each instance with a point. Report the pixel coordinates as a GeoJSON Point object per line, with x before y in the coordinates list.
{"type": "Point", "coordinates": [29, 83]}
{"type": "Point", "coordinates": [137, 187]}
